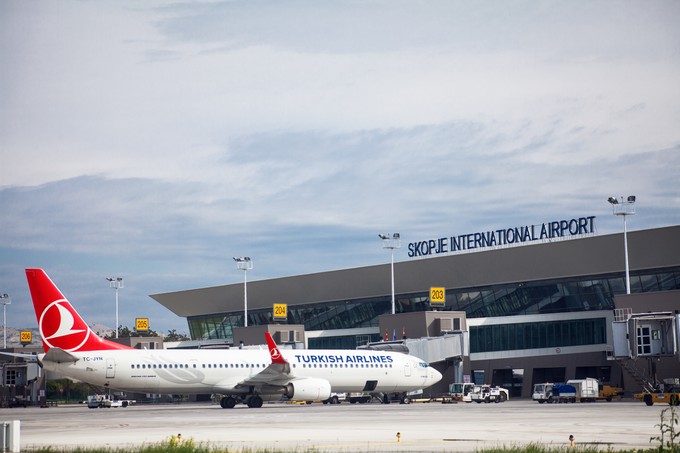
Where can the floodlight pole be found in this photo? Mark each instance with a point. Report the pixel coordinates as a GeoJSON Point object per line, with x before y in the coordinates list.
{"type": "Point", "coordinates": [624, 208]}
{"type": "Point", "coordinates": [116, 283]}
{"type": "Point", "coordinates": [5, 300]}
{"type": "Point", "coordinates": [245, 263]}
{"type": "Point", "coordinates": [391, 243]}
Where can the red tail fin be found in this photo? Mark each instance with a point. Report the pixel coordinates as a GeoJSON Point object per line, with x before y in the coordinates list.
{"type": "Point", "coordinates": [274, 350]}
{"type": "Point", "coordinates": [60, 324]}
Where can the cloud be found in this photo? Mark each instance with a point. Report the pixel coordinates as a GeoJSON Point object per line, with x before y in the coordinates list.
{"type": "Point", "coordinates": [160, 139]}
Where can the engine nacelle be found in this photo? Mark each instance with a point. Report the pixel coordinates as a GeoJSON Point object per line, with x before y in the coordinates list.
{"type": "Point", "coordinates": [308, 389]}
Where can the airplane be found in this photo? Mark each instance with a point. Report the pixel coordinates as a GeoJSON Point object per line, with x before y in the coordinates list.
{"type": "Point", "coordinates": [249, 376]}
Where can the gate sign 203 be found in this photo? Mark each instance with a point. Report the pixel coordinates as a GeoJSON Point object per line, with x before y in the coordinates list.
{"type": "Point", "coordinates": [437, 296]}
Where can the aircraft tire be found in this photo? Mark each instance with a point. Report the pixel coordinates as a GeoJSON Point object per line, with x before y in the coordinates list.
{"type": "Point", "coordinates": [228, 402]}
{"type": "Point", "coordinates": [255, 401]}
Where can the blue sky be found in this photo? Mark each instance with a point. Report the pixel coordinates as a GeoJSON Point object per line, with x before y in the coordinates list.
{"type": "Point", "coordinates": [157, 140]}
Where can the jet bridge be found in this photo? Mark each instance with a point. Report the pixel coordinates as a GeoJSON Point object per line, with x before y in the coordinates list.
{"type": "Point", "coordinates": [640, 340]}
{"type": "Point", "coordinates": [645, 334]}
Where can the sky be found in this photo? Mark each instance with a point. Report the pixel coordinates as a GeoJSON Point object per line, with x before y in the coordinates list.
{"type": "Point", "coordinates": [156, 140]}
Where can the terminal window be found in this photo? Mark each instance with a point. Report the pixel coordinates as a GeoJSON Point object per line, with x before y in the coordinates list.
{"type": "Point", "coordinates": [508, 337]}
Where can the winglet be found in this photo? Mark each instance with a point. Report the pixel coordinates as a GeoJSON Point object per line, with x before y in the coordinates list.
{"type": "Point", "coordinates": [274, 350]}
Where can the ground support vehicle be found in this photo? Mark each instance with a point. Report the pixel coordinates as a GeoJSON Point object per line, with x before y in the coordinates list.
{"type": "Point", "coordinates": [359, 397]}
{"type": "Point", "coordinates": [587, 390]}
{"type": "Point", "coordinates": [668, 393]}
{"type": "Point", "coordinates": [554, 393]}
{"type": "Point", "coordinates": [460, 391]}
{"type": "Point", "coordinates": [399, 397]}
{"type": "Point", "coordinates": [609, 393]}
{"type": "Point", "coordinates": [488, 394]}
{"type": "Point", "coordinates": [97, 401]}
{"type": "Point", "coordinates": [336, 398]}
{"type": "Point", "coordinates": [583, 390]}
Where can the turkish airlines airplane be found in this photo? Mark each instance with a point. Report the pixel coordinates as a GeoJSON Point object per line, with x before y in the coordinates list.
{"type": "Point", "coordinates": [249, 376]}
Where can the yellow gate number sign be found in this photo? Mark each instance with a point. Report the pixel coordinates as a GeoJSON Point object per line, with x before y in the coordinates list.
{"type": "Point", "coordinates": [25, 337]}
{"type": "Point", "coordinates": [280, 311]}
{"type": "Point", "coordinates": [437, 296]}
{"type": "Point", "coordinates": [142, 324]}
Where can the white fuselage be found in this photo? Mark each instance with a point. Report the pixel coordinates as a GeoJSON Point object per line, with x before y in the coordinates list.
{"type": "Point", "coordinates": [225, 371]}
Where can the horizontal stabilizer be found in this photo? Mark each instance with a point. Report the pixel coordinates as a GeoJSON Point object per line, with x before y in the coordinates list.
{"type": "Point", "coordinates": [29, 357]}
{"type": "Point", "coordinates": [59, 356]}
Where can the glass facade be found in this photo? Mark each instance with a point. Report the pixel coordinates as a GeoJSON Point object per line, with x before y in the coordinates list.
{"type": "Point", "coordinates": [533, 335]}
{"type": "Point", "coordinates": [523, 298]}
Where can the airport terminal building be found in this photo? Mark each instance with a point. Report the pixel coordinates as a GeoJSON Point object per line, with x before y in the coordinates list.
{"type": "Point", "coordinates": [522, 306]}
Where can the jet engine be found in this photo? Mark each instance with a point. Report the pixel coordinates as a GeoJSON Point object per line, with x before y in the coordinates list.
{"type": "Point", "coordinates": [308, 389]}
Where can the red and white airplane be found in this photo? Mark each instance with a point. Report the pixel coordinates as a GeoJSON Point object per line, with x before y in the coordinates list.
{"type": "Point", "coordinates": [250, 376]}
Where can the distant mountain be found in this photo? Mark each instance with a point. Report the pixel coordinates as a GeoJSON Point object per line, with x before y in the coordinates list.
{"type": "Point", "coordinates": [14, 335]}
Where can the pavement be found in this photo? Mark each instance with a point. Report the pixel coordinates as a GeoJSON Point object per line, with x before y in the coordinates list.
{"type": "Point", "coordinates": [460, 427]}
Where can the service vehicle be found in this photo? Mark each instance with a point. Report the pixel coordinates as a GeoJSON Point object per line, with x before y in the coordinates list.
{"type": "Point", "coordinates": [549, 392]}
{"type": "Point", "coordinates": [460, 391]}
{"type": "Point", "coordinates": [359, 397]}
{"type": "Point", "coordinates": [488, 394]}
{"type": "Point", "coordinates": [336, 398]}
{"type": "Point", "coordinates": [583, 390]}
{"type": "Point", "coordinates": [667, 393]}
{"type": "Point", "coordinates": [98, 400]}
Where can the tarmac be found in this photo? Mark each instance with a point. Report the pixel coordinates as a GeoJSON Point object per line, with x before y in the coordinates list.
{"type": "Point", "coordinates": [417, 427]}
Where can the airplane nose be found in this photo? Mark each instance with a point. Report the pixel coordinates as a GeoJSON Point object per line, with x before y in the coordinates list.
{"type": "Point", "coordinates": [434, 377]}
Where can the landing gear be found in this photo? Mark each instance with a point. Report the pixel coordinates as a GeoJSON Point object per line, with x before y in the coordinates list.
{"type": "Point", "coordinates": [228, 402]}
{"type": "Point", "coordinates": [254, 401]}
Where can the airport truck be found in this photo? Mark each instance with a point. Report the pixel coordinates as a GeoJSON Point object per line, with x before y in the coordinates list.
{"type": "Point", "coordinates": [667, 393]}
{"type": "Point", "coordinates": [583, 390]}
{"type": "Point", "coordinates": [461, 391]}
{"type": "Point", "coordinates": [554, 393]}
{"type": "Point", "coordinates": [488, 394]}
{"type": "Point", "coordinates": [97, 401]}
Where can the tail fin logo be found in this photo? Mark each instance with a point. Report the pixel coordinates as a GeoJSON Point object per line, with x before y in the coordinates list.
{"type": "Point", "coordinates": [61, 328]}
{"type": "Point", "coordinates": [276, 355]}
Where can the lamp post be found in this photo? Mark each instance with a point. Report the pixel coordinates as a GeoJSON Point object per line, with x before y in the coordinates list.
{"type": "Point", "coordinates": [116, 283]}
{"type": "Point", "coordinates": [624, 208]}
{"type": "Point", "coordinates": [244, 263]}
{"type": "Point", "coordinates": [391, 243]}
{"type": "Point", "coordinates": [5, 300]}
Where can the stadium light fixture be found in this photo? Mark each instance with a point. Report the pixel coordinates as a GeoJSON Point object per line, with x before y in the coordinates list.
{"type": "Point", "coordinates": [5, 300]}
{"type": "Point", "coordinates": [391, 242]}
{"type": "Point", "coordinates": [624, 208]}
{"type": "Point", "coordinates": [116, 283]}
{"type": "Point", "coordinates": [244, 263]}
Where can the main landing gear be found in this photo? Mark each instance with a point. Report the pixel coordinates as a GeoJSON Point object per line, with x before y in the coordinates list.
{"type": "Point", "coordinates": [228, 402]}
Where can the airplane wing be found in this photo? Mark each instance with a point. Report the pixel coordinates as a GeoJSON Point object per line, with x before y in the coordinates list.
{"type": "Point", "coordinates": [30, 357]}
